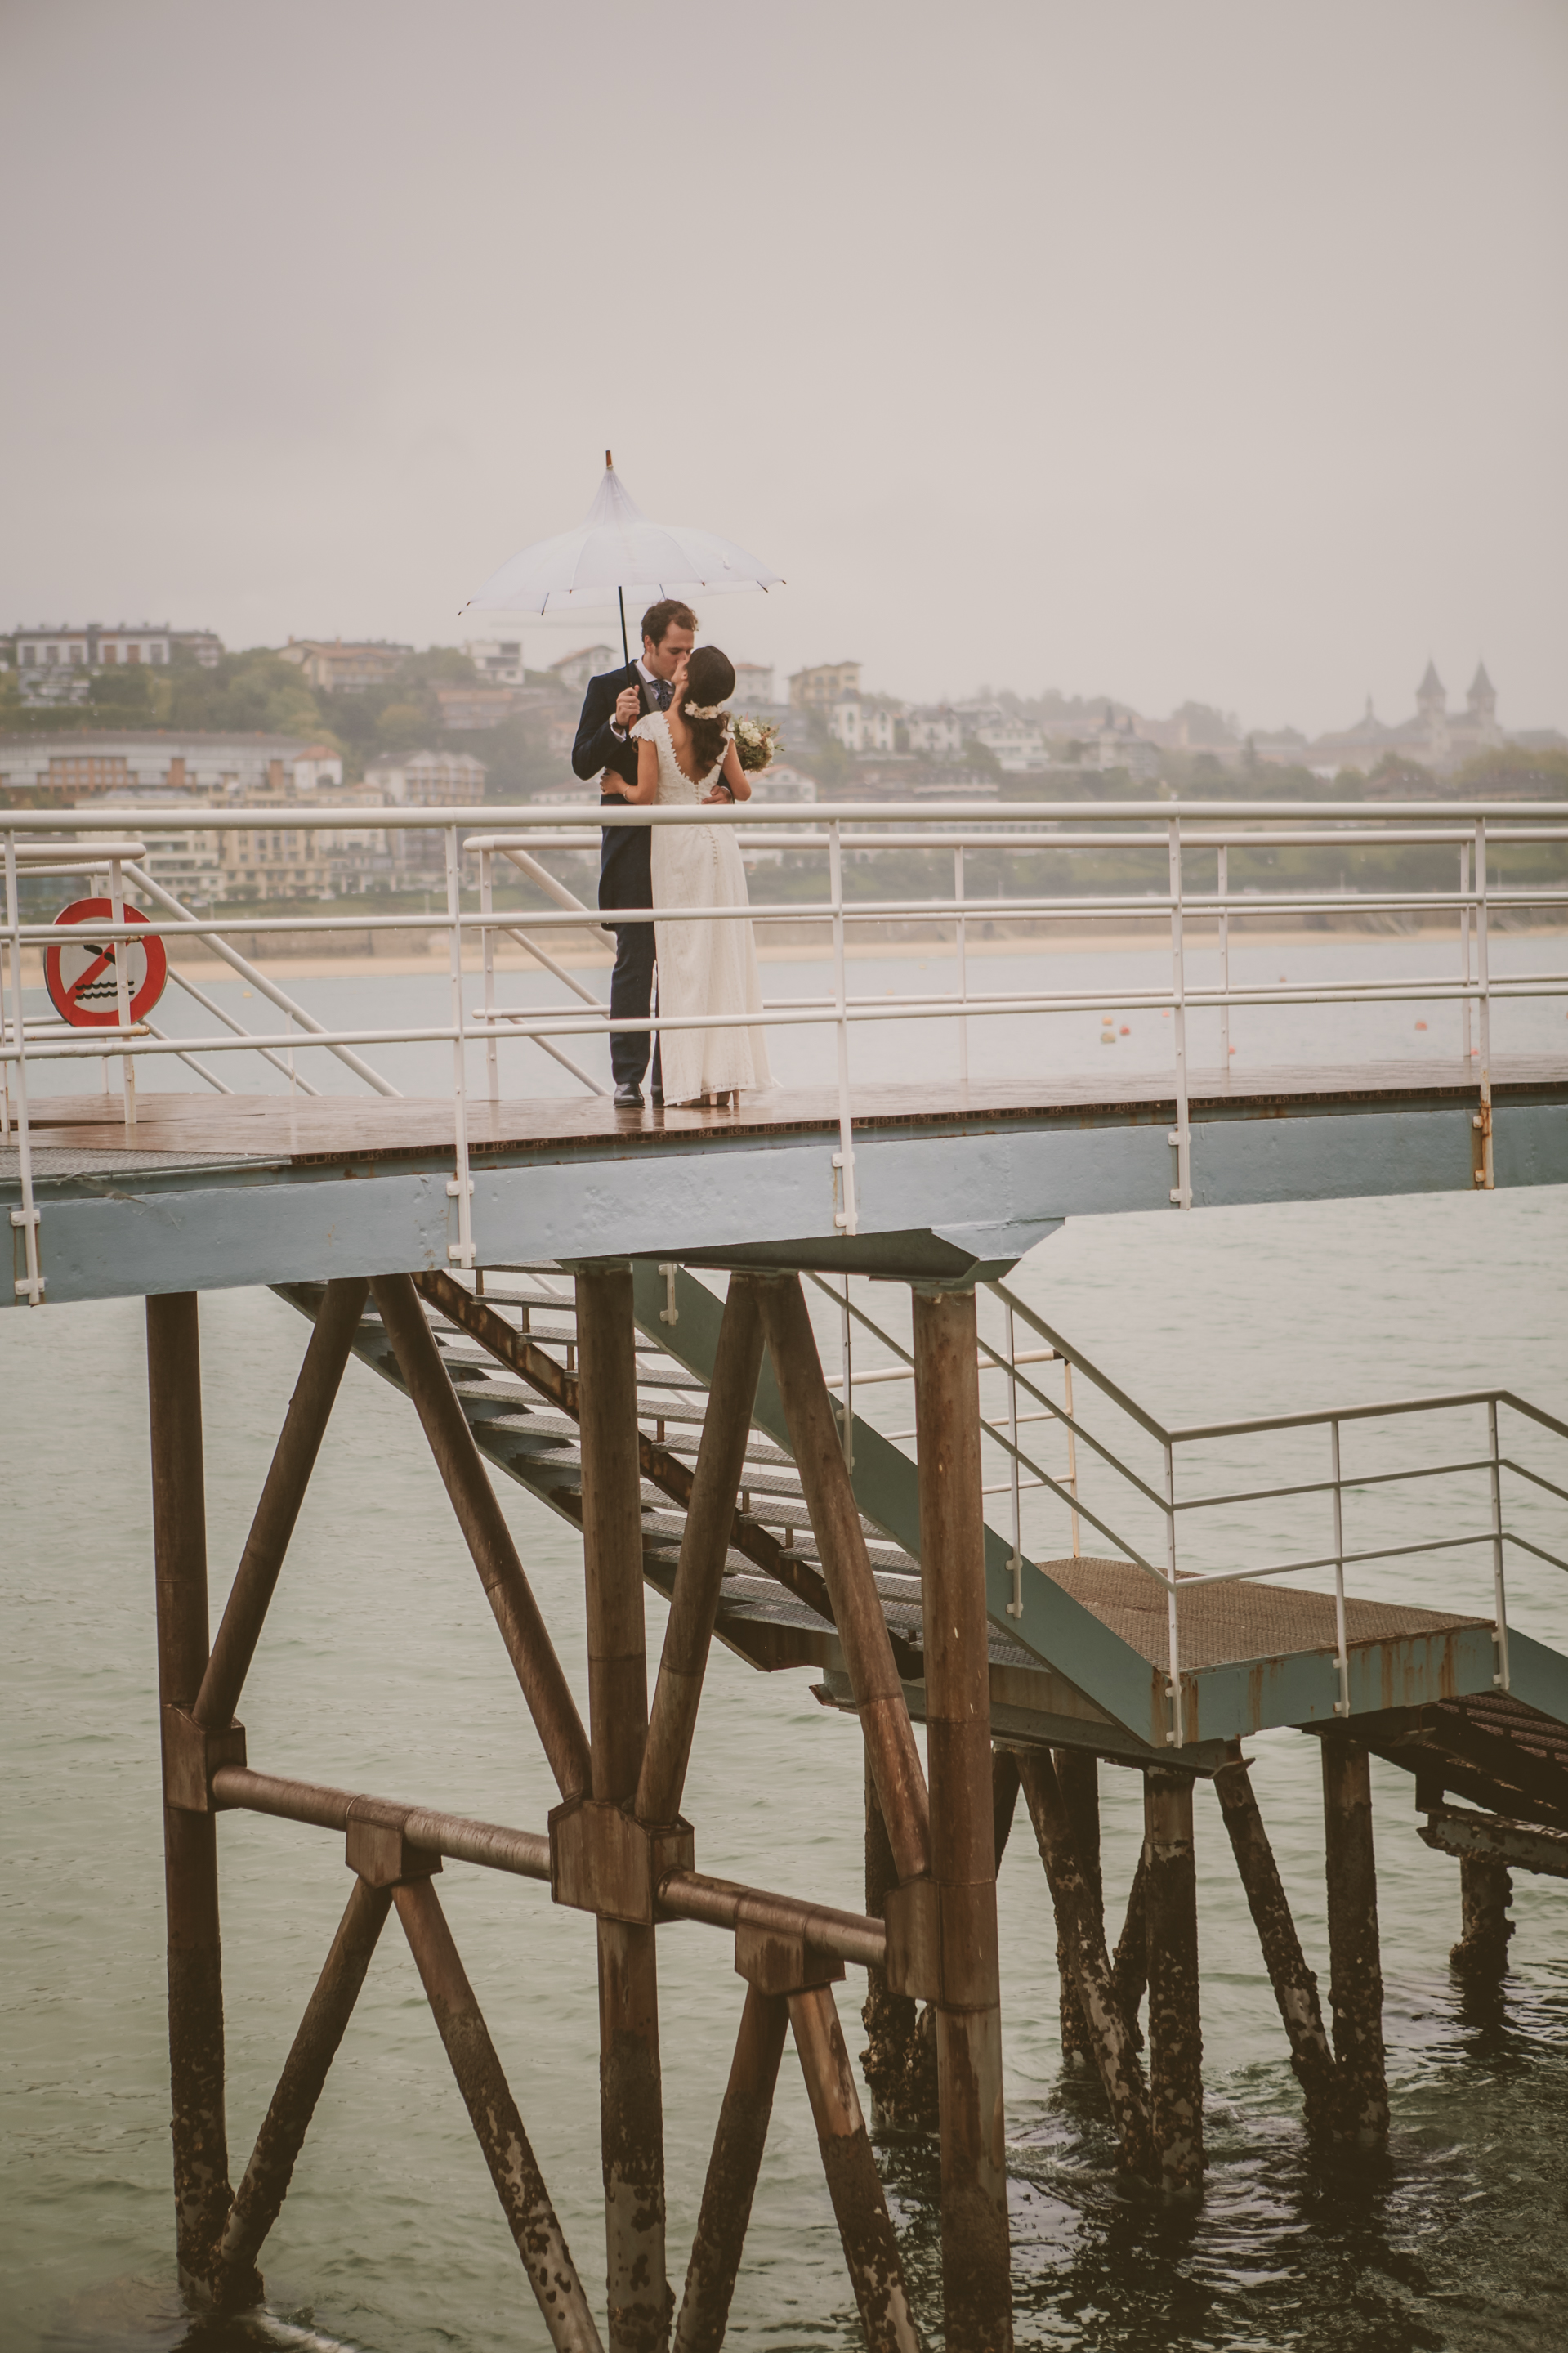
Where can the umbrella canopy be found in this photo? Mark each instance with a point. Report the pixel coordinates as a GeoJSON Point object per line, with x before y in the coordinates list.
{"type": "Point", "coordinates": [616, 549]}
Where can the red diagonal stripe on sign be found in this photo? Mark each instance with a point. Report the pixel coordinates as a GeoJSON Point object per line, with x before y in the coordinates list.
{"type": "Point", "coordinates": [79, 983]}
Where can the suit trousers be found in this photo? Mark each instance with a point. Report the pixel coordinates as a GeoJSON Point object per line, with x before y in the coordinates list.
{"type": "Point", "coordinates": [631, 995]}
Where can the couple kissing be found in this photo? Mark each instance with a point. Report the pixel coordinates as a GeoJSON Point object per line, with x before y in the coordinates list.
{"type": "Point", "coordinates": [657, 732]}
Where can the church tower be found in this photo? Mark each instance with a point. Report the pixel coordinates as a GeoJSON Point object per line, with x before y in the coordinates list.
{"type": "Point", "coordinates": [1481, 703]}
{"type": "Point", "coordinates": [1432, 715]}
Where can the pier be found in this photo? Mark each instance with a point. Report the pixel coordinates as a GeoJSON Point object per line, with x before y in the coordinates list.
{"type": "Point", "coordinates": [658, 1324]}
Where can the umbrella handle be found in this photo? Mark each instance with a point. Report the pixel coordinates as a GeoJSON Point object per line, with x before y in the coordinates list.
{"type": "Point", "coordinates": [621, 600]}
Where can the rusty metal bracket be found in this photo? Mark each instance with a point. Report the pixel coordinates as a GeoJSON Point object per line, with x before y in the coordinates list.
{"type": "Point", "coordinates": [193, 1753]}
{"type": "Point", "coordinates": [376, 1847]}
{"type": "Point", "coordinates": [602, 1860]}
{"type": "Point", "coordinates": [777, 1962]}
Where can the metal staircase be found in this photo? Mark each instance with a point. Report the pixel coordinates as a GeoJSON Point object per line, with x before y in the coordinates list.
{"type": "Point", "coordinates": [1069, 1663]}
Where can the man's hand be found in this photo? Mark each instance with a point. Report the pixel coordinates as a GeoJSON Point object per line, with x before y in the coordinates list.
{"type": "Point", "coordinates": [626, 714]}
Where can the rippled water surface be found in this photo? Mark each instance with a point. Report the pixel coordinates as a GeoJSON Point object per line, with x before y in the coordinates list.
{"type": "Point", "coordinates": [380, 1668]}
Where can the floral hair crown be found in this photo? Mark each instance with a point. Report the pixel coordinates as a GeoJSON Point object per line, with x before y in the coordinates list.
{"type": "Point", "coordinates": [703, 710]}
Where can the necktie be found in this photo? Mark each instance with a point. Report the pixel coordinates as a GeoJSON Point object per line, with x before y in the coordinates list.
{"type": "Point", "coordinates": [661, 691]}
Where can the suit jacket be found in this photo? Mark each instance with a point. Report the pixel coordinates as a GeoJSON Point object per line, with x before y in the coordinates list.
{"type": "Point", "coordinates": [626, 873]}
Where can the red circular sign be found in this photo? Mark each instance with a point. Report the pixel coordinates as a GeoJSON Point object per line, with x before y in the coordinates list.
{"type": "Point", "coordinates": [80, 973]}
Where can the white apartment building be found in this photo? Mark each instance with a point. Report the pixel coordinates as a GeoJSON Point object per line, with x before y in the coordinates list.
{"type": "Point", "coordinates": [94, 645]}
{"type": "Point", "coordinates": [1017, 748]}
{"type": "Point", "coordinates": [426, 780]}
{"type": "Point", "coordinates": [827, 683]}
{"type": "Point", "coordinates": [70, 769]}
{"type": "Point", "coordinates": [189, 863]}
{"type": "Point", "coordinates": [339, 668]}
{"type": "Point", "coordinates": [864, 722]}
{"type": "Point", "coordinates": [573, 671]}
{"type": "Point", "coordinates": [755, 685]}
{"type": "Point", "coordinates": [935, 728]}
{"type": "Point", "coordinates": [498, 661]}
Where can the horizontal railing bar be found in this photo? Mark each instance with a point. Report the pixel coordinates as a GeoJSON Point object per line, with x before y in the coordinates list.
{"type": "Point", "coordinates": [1189, 1579]}
{"type": "Point", "coordinates": [1441, 1402]}
{"type": "Point", "coordinates": [1326, 1486]}
{"type": "Point", "coordinates": [685, 1894]}
{"type": "Point", "coordinates": [1524, 1471]}
{"type": "Point", "coordinates": [1538, 1550]}
{"type": "Point", "coordinates": [494, 820]}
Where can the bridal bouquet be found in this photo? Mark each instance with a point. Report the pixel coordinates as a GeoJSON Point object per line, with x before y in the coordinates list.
{"type": "Point", "coordinates": [756, 741]}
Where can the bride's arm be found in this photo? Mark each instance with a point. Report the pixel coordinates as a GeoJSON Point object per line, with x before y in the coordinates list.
{"type": "Point", "coordinates": [735, 776]}
{"type": "Point", "coordinates": [646, 785]}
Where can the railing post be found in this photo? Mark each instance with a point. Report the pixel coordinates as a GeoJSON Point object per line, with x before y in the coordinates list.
{"type": "Point", "coordinates": [1499, 1597]}
{"type": "Point", "coordinates": [1181, 1134]}
{"type": "Point", "coordinates": [488, 950]}
{"type": "Point", "coordinates": [1175, 1737]}
{"type": "Point", "coordinates": [1016, 1560]}
{"type": "Point", "coordinates": [461, 1185]}
{"type": "Point", "coordinates": [1464, 939]}
{"type": "Point", "coordinates": [963, 969]}
{"type": "Point", "coordinates": [847, 1385]}
{"type": "Point", "coordinates": [845, 1217]}
{"type": "Point", "coordinates": [121, 993]}
{"type": "Point", "coordinates": [29, 1284]}
{"type": "Point", "coordinates": [974, 2232]}
{"type": "Point", "coordinates": [1341, 1658]}
{"type": "Point", "coordinates": [1225, 957]}
{"type": "Point", "coordinates": [1072, 1453]}
{"type": "Point", "coordinates": [1487, 1173]}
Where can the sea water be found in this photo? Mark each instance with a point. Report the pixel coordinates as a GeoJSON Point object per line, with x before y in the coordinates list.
{"type": "Point", "coordinates": [380, 1669]}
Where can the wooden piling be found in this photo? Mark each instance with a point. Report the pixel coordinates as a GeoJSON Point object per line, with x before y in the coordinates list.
{"type": "Point", "coordinates": [293, 1460]}
{"type": "Point", "coordinates": [732, 2172]}
{"type": "Point", "coordinates": [201, 2192]}
{"type": "Point", "coordinates": [522, 1630]}
{"type": "Point", "coordinates": [817, 1443]}
{"type": "Point", "coordinates": [498, 2126]}
{"type": "Point", "coordinates": [1355, 1989]}
{"type": "Point", "coordinates": [261, 2195]}
{"type": "Point", "coordinates": [1295, 1985]}
{"type": "Point", "coordinates": [1129, 1962]}
{"type": "Point", "coordinates": [902, 2089]}
{"type": "Point", "coordinates": [1486, 1891]}
{"type": "Point", "coordinates": [704, 1549]}
{"type": "Point", "coordinates": [976, 2269]}
{"type": "Point", "coordinates": [1077, 1777]}
{"type": "Point", "coordinates": [1175, 2031]}
{"type": "Point", "coordinates": [1080, 1941]}
{"type": "Point", "coordinates": [631, 2107]}
{"type": "Point", "coordinates": [854, 2185]}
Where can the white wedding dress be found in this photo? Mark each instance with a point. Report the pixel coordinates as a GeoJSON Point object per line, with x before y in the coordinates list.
{"type": "Point", "coordinates": [703, 967]}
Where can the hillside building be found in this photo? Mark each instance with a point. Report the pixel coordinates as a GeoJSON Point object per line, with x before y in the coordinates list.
{"type": "Point", "coordinates": [336, 667]}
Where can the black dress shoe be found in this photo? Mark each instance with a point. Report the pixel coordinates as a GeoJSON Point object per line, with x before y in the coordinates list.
{"type": "Point", "coordinates": [629, 1098]}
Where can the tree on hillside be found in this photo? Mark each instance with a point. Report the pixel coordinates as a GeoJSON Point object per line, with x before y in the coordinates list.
{"type": "Point", "coordinates": [256, 693]}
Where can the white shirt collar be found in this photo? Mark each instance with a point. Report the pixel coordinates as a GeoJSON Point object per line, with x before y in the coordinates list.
{"type": "Point", "coordinates": [645, 673]}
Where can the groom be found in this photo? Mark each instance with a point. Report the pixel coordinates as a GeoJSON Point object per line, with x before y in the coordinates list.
{"type": "Point", "coordinates": [611, 709]}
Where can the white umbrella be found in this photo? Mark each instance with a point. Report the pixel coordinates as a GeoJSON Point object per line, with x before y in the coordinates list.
{"type": "Point", "coordinates": [618, 548]}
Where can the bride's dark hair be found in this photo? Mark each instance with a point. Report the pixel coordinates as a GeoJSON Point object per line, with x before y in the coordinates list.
{"type": "Point", "coordinates": [710, 678]}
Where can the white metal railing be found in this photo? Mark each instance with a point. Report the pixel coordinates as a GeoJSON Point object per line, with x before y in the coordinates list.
{"type": "Point", "coordinates": [1181, 1564]}
{"type": "Point", "coordinates": [46, 845]}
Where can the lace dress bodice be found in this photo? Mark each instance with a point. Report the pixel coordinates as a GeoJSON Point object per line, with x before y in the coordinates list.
{"type": "Point", "coordinates": [674, 784]}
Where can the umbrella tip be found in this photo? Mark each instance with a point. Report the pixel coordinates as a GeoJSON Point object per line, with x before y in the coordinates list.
{"type": "Point", "coordinates": [609, 463]}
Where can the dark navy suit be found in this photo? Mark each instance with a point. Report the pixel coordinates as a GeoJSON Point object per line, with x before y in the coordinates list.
{"type": "Point", "coordinates": [626, 875]}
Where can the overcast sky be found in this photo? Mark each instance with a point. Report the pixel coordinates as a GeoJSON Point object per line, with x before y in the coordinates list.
{"type": "Point", "coordinates": [1162, 348]}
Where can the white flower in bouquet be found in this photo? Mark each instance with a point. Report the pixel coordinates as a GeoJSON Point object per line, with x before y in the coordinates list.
{"type": "Point", "coordinates": [756, 741]}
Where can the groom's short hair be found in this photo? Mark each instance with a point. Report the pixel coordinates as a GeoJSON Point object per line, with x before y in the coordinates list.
{"type": "Point", "coordinates": [667, 614]}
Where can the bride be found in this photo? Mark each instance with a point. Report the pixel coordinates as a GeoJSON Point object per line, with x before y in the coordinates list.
{"type": "Point", "coordinates": [686, 755]}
